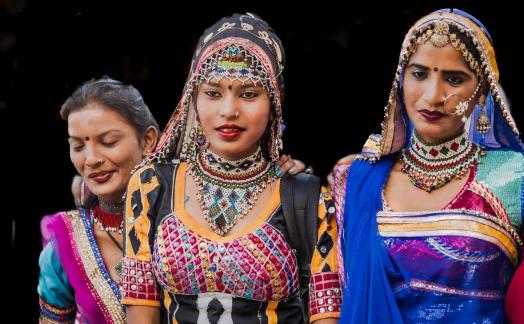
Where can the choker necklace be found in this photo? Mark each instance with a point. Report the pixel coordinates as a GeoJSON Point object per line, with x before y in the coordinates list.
{"type": "Point", "coordinates": [431, 166]}
{"type": "Point", "coordinates": [108, 221]}
{"type": "Point", "coordinates": [114, 207]}
{"type": "Point", "coordinates": [227, 190]}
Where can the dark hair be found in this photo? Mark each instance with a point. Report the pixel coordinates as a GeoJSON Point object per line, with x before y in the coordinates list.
{"type": "Point", "coordinates": [115, 95]}
{"type": "Point", "coordinates": [467, 42]}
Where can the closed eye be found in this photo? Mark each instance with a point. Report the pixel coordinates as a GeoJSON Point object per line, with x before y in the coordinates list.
{"type": "Point", "coordinates": [77, 148]}
{"type": "Point", "coordinates": [110, 144]}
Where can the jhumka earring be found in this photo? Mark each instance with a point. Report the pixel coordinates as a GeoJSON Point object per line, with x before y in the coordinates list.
{"type": "Point", "coordinates": [483, 123]}
{"type": "Point", "coordinates": [201, 138]}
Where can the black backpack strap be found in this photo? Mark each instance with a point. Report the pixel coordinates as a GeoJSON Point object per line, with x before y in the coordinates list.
{"type": "Point", "coordinates": [299, 196]}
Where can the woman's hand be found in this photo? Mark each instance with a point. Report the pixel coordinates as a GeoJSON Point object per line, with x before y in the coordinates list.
{"type": "Point", "coordinates": [288, 164]}
{"type": "Point", "coordinates": [76, 190]}
{"type": "Point", "coordinates": [83, 197]}
{"type": "Point", "coordinates": [331, 176]}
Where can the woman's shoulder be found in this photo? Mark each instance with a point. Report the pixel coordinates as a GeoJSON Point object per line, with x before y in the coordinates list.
{"type": "Point", "coordinates": [502, 172]}
{"type": "Point", "coordinates": [497, 159]}
{"type": "Point", "coordinates": [303, 179]}
{"type": "Point", "coordinates": [498, 166]}
{"type": "Point", "coordinates": [151, 171]}
{"type": "Point", "coordinates": [53, 223]}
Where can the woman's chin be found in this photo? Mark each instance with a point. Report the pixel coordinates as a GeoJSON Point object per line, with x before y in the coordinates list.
{"type": "Point", "coordinates": [107, 192]}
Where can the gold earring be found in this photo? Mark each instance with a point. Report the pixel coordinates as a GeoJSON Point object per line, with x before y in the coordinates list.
{"type": "Point", "coordinates": [483, 122]}
{"type": "Point", "coordinates": [201, 138]}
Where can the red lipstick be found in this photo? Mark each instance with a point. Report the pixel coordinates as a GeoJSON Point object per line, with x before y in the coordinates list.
{"type": "Point", "coordinates": [229, 131]}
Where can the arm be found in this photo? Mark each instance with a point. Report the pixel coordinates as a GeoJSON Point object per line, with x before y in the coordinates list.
{"type": "Point", "coordinates": [140, 291]}
{"type": "Point", "coordinates": [142, 315]}
{"type": "Point", "coordinates": [57, 302]}
{"type": "Point", "coordinates": [325, 295]}
{"type": "Point", "coordinates": [343, 162]}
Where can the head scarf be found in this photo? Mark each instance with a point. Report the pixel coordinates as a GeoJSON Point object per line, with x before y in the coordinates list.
{"type": "Point", "coordinates": [441, 26]}
{"type": "Point", "coordinates": [240, 47]}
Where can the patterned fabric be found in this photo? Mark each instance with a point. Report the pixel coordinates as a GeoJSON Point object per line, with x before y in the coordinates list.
{"type": "Point", "coordinates": [339, 192]}
{"type": "Point", "coordinates": [325, 295]}
{"type": "Point", "coordinates": [138, 281]}
{"type": "Point", "coordinates": [248, 277]}
{"type": "Point", "coordinates": [259, 57]}
{"type": "Point", "coordinates": [502, 173]}
{"type": "Point", "coordinates": [324, 290]}
{"type": "Point", "coordinates": [396, 126]}
{"type": "Point", "coordinates": [431, 166]}
{"type": "Point", "coordinates": [50, 314]}
{"type": "Point", "coordinates": [234, 46]}
{"type": "Point", "coordinates": [457, 268]}
{"type": "Point", "coordinates": [228, 189]}
{"type": "Point", "coordinates": [236, 63]}
{"type": "Point", "coordinates": [459, 250]}
{"type": "Point", "coordinates": [258, 266]}
{"type": "Point", "coordinates": [71, 261]}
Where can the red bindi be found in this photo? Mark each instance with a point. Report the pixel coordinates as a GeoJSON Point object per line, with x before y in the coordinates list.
{"type": "Point", "coordinates": [87, 138]}
{"type": "Point", "coordinates": [435, 69]}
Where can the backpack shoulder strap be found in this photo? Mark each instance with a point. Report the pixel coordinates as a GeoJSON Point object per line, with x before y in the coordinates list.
{"type": "Point", "coordinates": [299, 197]}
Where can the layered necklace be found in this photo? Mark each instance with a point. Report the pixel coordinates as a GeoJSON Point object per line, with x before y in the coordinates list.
{"type": "Point", "coordinates": [109, 217]}
{"type": "Point", "coordinates": [227, 190]}
{"type": "Point", "coordinates": [431, 166]}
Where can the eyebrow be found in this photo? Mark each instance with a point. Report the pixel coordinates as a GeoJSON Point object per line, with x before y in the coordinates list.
{"type": "Point", "coordinates": [243, 86]}
{"type": "Point", "coordinates": [249, 85]}
{"type": "Point", "coordinates": [80, 138]}
{"type": "Point", "coordinates": [213, 84]}
{"type": "Point", "coordinates": [447, 72]}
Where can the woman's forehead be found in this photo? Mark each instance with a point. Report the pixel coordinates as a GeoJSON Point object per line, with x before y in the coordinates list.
{"type": "Point", "coordinates": [443, 58]}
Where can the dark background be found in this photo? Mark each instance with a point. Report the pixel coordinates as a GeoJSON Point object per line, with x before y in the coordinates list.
{"type": "Point", "coordinates": [341, 58]}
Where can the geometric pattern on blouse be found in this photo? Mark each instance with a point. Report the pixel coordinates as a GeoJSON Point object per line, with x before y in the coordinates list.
{"type": "Point", "coordinates": [258, 266]}
{"type": "Point", "coordinates": [138, 281]}
{"type": "Point", "coordinates": [325, 290]}
{"type": "Point", "coordinates": [325, 295]}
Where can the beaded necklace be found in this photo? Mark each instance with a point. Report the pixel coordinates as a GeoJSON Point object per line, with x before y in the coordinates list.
{"type": "Point", "coordinates": [227, 190]}
{"type": "Point", "coordinates": [431, 166]}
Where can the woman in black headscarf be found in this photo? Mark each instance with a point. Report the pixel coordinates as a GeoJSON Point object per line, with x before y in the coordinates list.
{"type": "Point", "coordinates": [213, 232]}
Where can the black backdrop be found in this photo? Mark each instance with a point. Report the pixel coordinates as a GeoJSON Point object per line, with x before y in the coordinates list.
{"type": "Point", "coordinates": [341, 58]}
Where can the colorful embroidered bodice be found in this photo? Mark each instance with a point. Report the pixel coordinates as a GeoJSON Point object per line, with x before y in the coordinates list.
{"type": "Point", "coordinates": [259, 265]}
{"type": "Point", "coordinates": [175, 262]}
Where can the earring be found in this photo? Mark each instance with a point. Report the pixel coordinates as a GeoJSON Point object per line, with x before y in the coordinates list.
{"type": "Point", "coordinates": [483, 123]}
{"type": "Point", "coordinates": [201, 138]}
